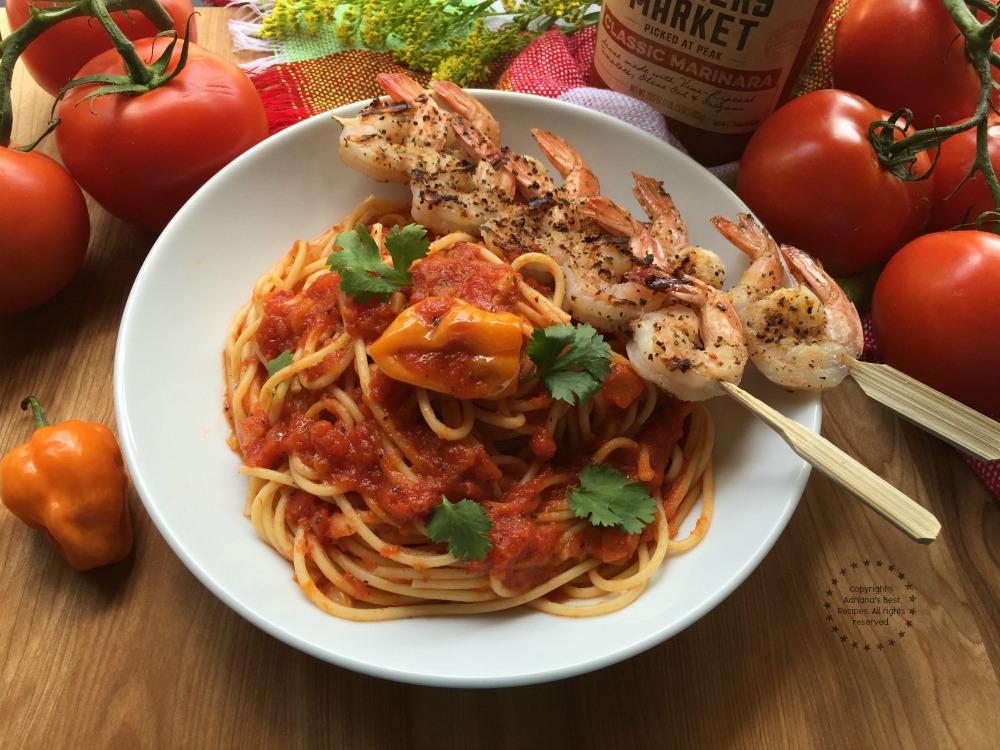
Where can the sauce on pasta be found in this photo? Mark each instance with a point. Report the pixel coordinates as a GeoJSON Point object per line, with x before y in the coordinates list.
{"type": "Point", "coordinates": [346, 462]}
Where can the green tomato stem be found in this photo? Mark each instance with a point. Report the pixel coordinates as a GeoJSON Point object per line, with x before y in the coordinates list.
{"type": "Point", "coordinates": [979, 38]}
{"type": "Point", "coordinates": [899, 155]}
{"type": "Point", "coordinates": [137, 71]}
{"type": "Point", "coordinates": [44, 18]}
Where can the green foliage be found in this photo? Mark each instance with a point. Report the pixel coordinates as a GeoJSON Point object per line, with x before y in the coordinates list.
{"type": "Point", "coordinates": [455, 40]}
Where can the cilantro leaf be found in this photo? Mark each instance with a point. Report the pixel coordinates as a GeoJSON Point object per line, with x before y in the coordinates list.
{"type": "Point", "coordinates": [363, 273]}
{"type": "Point", "coordinates": [280, 362]}
{"type": "Point", "coordinates": [407, 245]}
{"type": "Point", "coordinates": [571, 361]}
{"type": "Point", "coordinates": [606, 497]}
{"type": "Point", "coordinates": [464, 525]}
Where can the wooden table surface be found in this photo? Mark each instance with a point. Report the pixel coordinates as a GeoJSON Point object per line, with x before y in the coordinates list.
{"type": "Point", "coordinates": [140, 654]}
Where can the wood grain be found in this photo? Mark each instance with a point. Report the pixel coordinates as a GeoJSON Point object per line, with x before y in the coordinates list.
{"type": "Point", "coordinates": [141, 655]}
{"type": "Point", "coordinates": [897, 508]}
{"type": "Point", "coordinates": [931, 410]}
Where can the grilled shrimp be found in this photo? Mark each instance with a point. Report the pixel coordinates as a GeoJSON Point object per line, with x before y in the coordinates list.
{"type": "Point", "coordinates": [466, 195]}
{"type": "Point", "coordinates": [547, 220]}
{"type": "Point", "coordinates": [409, 129]}
{"type": "Point", "coordinates": [597, 267]}
{"type": "Point", "coordinates": [598, 290]}
{"type": "Point", "coordinates": [562, 221]}
{"type": "Point", "coordinates": [648, 245]}
{"type": "Point", "coordinates": [394, 135]}
{"type": "Point", "coordinates": [802, 331]}
{"type": "Point", "coordinates": [689, 346]}
{"type": "Point", "coordinates": [670, 231]}
{"type": "Point", "coordinates": [528, 226]}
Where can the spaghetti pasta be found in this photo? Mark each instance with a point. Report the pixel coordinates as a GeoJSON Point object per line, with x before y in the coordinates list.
{"type": "Point", "coordinates": [345, 465]}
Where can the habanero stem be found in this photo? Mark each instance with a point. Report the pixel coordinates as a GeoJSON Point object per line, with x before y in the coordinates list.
{"type": "Point", "coordinates": [44, 18]}
{"type": "Point", "coordinates": [899, 154]}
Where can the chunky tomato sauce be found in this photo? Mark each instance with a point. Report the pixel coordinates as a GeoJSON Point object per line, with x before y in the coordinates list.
{"type": "Point", "coordinates": [460, 271]}
{"type": "Point", "coordinates": [291, 319]}
{"type": "Point", "coordinates": [622, 386]}
{"type": "Point", "coordinates": [352, 458]}
{"type": "Point", "coordinates": [663, 430]}
{"type": "Point", "coordinates": [367, 320]}
{"type": "Point", "coordinates": [524, 551]}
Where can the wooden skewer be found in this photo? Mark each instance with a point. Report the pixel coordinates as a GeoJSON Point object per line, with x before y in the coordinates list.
{"type": "Point", "coordinates": [904, 513]}
{"type": "Point", "coordinates": [931, 410]}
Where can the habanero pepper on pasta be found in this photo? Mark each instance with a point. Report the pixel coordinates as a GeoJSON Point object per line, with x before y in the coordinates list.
{"type": "Point", "coordinates": [69, 482]}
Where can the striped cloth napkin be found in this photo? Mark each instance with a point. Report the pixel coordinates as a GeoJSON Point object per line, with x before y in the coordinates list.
{"type": "Point", "coordinates": [304, 75]}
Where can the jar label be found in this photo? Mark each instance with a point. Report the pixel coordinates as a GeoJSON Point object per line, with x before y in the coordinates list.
{"type": "Point", "coordinates": [719, 65]}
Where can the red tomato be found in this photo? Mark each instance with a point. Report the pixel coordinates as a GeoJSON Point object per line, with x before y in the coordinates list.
{"type": "Point", "coordinates": [141, 157]}
{"type": "Point", "coordinates": [935, 315]}
{"type": "Point", "coordinates": [44, 229]}
{"type": "Point", "coordinates": [54, 58]}
{"type": "Point", "coordinates": [813, 178]}
{"type": "Point", "coordinates": [906, 53]}
{"type": "Point", "coordinates": [953, 164]}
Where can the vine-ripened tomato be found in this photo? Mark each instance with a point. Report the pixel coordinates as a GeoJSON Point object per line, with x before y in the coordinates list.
{"type": "Point", "coordinates": [54, 57]}
{"type": "Point", "coordinates": [812, 177]}
{"type": "Point", "coordinates": [952, 208]}
{"type": "Point", "coordinates": [142, 157]}
{"type": "Point", "coordinates": [935, 315]}
{"type": "Point", "coordinates": [44, 229]}
{"type": "Point", "coordinates": [906, 53]}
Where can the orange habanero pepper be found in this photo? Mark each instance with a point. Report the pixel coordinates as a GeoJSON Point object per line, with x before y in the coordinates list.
{"type": "Point", "coordinates": [69, 482]}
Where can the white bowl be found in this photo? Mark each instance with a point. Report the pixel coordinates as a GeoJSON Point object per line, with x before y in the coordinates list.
{"type": "Point", "coordinates": [169, 390]}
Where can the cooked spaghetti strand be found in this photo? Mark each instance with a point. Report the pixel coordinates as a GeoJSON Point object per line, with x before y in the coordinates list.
{"type": "Point", "coordinates": [346, 465]}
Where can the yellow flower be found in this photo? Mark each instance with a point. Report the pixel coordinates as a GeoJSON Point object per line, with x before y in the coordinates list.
{"type": "Point", "coordinates": [446, 37]}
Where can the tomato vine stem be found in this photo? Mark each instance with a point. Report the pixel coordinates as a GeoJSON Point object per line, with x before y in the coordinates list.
{"type": "Point", "coordinates": [139, 77]}
{"type": "Point", "coordinates": [44, 18]}
{"type": "Point", "coordinates": [899, 154]}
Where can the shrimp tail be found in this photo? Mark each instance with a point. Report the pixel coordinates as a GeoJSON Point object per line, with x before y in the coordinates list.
{"type": "Point", "coordinates": [465, 104]}
{"type": "Point", "coordinates": [613, 218]}
{"type": "Point", "coordinates": [746, 234]}
{"type": "Point", "coordinates": [400, 87]}
{"type": "Point", "coordinates": [578, 180]}
{"type": "Point", "coordinates": [668, 226]}
{"type": "Point", "coordinates": [845, 320]}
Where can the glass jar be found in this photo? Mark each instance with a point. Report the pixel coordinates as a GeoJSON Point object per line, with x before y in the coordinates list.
{"type": "Point", "coordinates": [714, 68]}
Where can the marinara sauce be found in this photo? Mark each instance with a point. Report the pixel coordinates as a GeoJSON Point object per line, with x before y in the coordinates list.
{"type": "Point", "coordinates": [714, 68]}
